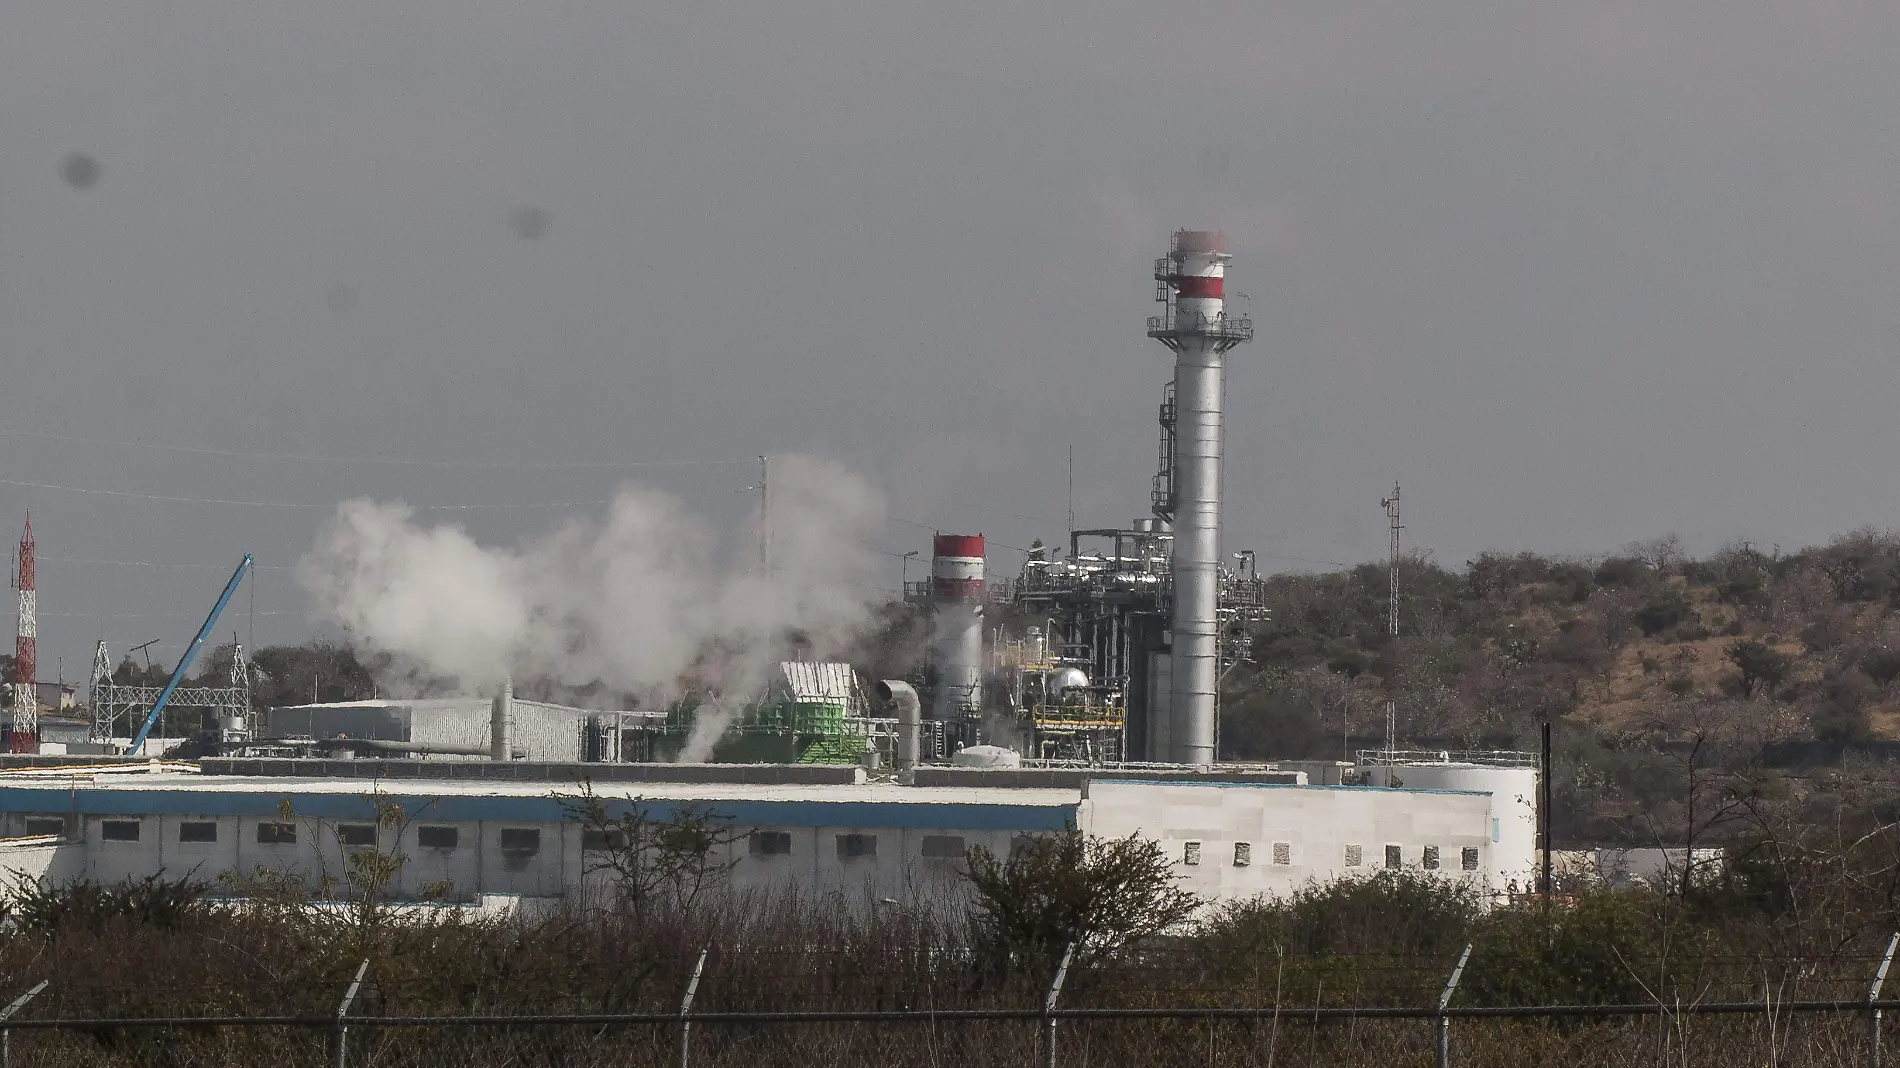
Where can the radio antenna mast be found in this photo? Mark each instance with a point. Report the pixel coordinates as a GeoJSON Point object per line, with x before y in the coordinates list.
{"type": "Point", "coordinates": [1391, 505]}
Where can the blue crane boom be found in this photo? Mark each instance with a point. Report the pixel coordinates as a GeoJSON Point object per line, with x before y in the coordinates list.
{"type": "Point", "coordinates": [191, 652]}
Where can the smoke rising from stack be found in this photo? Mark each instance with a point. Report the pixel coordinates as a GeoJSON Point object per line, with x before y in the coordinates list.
{"type": "Point", "coordinates": [640, 601]}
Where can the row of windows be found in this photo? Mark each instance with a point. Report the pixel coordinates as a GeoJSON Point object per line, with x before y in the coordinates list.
{"type": "Point", "coordinates": [512, 839]}
{"type": "Point", "coordinates": [1355, 855]}
{"type": "Point", "coordinates": [853, 846]}
{"type": "Point", "coordinates": [522, 840]}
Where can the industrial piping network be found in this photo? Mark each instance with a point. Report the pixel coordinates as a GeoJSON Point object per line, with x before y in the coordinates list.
{"type": "Point", "coordinates": [1190, 283]}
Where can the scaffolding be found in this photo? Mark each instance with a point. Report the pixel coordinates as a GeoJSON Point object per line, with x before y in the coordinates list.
{"type": "Point", "coordinates": [119, 709]}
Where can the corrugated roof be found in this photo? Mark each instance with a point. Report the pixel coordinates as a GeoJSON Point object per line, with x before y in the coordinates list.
{"type": "Point", "coordinates": [817, 682]}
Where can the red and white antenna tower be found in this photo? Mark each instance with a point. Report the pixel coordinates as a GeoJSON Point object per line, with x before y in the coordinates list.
{"type": "Point", "coordinates": [26, 699]}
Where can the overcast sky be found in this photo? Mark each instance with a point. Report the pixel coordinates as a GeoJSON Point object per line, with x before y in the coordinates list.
{"type": "Point", "coordinates": [1575, 273]}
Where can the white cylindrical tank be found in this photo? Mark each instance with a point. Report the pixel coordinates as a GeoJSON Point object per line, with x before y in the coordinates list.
{"type": "Point", "coordinates": [956, 588]}
{"type": "Point", "coordinates": [1513, 827]}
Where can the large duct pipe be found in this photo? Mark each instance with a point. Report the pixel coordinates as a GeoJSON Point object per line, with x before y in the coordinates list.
{"type": "Point", "coordinates": [1197, 328]}
{"type": "Point", "coordinates": [501, 723]}
{"type": "Point", "coordinates": [910, 725]}
{"type": "Point", "coordinates": [956, 587]}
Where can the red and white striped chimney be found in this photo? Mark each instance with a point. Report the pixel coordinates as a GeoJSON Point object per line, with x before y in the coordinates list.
{"type": "Point", "coordinates": [956, 586]}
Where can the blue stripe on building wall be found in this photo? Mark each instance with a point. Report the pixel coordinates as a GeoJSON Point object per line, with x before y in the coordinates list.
{"type": "Point", "coordinates": [465, 808]}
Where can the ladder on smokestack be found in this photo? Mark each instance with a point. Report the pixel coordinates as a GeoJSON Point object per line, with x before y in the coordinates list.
{"type": "Point", "coordinates": [1163, 496]}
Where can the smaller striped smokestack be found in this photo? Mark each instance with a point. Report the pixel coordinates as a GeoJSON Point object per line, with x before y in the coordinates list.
{"type": "Point", "coordinates": [956, 587]}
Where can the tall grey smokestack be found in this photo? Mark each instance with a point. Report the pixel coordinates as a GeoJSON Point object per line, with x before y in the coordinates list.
{"type": "Point", "coordinates": [1190, 282]}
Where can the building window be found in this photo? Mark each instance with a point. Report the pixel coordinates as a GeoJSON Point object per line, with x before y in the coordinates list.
{"type": "Point", "coordinates": [356, 834]}
{"type": "Point", "coordinates": [1494, 830]}
{"type": "Point", "coordinates": [276, 834]}
{"type": "Point", "coordinates": [600, 841]}
{"type": "Point", "coordinates": [1243, 854]}
{"type": "Point", "coordinates": [436, 837]}
{"type": "Point", "coordinates": [1020, 842]}
{"type": "Point", "coordinates": [45, 825]}
{"type": "Point", "coordinates": [1393, 858]}
{"type": "Point", "coordinates": [521, 840]}
{"type": "Point", "coordinates": [1430, 861]}
{"type": "Point", "coordinates": [944, 846]}
{"type": "Point", "coordinates": [857, 845]}
{"type": "Point", "coordinates": [1191, 853]}
{"type": "Point", "coordinates": [771, 843]}
{"type": "Point", "coordinates": [1355, 856]}
{"type": "Point", "coordinates": [198, 831]}
{"type": "Point", "coordinates": [119, 830]}
{"type": "Point", "coordinates": [1471, 858]}
{"type": "Point", "coordinates": [1283, 852]}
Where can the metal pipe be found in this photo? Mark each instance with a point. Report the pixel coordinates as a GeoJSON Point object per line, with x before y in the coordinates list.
{"type": "Point", "coordinates": [343, 1013]}
{"type": "Point", "coordinates": [686, 1007]}
{"type": "Point", "coordinates": [1443, 1024]}
{"type": "Point", "coordinates": [501, 720]}
{"type": "Point", "coordinates": [1049, 1007]}
{"type": "Point", "coordinates": [909, 725]}
{"type": "Point", "coordinates": [1873, 998]}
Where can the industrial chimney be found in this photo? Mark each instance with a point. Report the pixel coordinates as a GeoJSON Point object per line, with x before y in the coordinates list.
{"type": "Point", "coordinates": [1189, 281]}
{"type": "Point", "coordinates": [956, 588]}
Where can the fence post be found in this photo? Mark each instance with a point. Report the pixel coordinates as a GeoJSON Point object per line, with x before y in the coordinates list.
{"type": "Point", "coordinates": [1049, 1008]}
{"type": "Point", "coordinates": [686, 1006]}
{"type": "Point", "coordinates": [1873, 994]}
{"type": "Point", "coordinates": [6, 1033]}
{"type": "Point", "coordinates": [1444, 1000]}
{"type": "Point", "coordinates": [343, 1011]}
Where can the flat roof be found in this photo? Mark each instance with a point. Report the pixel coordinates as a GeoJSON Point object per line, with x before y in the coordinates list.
{"type": "Point", "coordinates": [170, 792]}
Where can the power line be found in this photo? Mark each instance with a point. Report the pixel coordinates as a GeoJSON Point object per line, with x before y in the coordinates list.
{"type": "Point", "coordinates": [155, 563]}
{"type": "Point", "coordinates": [282, 504]}
{"type": "Point", "coordinates": [388, 461]}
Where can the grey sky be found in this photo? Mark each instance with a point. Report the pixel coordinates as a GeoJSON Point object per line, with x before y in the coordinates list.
{"type": "Point", "coordinates": [1577, 274]}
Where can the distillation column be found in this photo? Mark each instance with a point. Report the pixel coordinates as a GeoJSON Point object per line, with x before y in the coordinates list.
{"type": "Point", "coordinates": [1190, 282]}
{"type": "Point", "coordinates": [956, 587]}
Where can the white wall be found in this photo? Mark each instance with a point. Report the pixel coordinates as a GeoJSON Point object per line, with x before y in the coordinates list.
{"type": "Point", "coordinates": [1312, 826]}
{"type": "Point", "coordinates": [1316, 825]}
{"type": "Point", "coordinates": [48, 861]}
{"type": "Point", "coordinates": [1513, 811]}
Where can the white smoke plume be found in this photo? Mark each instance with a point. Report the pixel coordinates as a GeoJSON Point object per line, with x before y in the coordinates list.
{"type": "Point", "coordinates": [709, 725]}
{"type": "Point", "coordinates": [639, 602]}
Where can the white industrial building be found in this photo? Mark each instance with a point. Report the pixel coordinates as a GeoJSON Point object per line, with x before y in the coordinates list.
{"type": "Point", "coordinates": [448, 727]}
{"type": "Point", "coordinates": [865, 840]}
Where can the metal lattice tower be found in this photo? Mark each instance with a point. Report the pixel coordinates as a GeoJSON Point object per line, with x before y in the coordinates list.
{"type": "Point", "coordinates": [117, 710]}
{"type": "Point", "coordinates": [26, 699]}
{"type": "Point", "coordinates": [1391, 505]}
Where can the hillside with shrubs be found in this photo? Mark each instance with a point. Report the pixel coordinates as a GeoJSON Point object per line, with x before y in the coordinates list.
{"type": "Point", "coordinates": [1649, 663]}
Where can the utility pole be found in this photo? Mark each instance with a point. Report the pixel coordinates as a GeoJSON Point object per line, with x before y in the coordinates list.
{"type": "Point", "coordinates": [765, 516]}
{"type": "Point", "coordinates": [1391, 505]}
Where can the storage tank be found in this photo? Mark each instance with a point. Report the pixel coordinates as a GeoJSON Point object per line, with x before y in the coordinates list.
{"type": "Point", "coordinates": [1513, 790]}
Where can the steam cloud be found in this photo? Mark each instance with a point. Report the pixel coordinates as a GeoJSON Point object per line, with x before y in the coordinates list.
{"type": "Point", "coordinates": [639, 602]}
